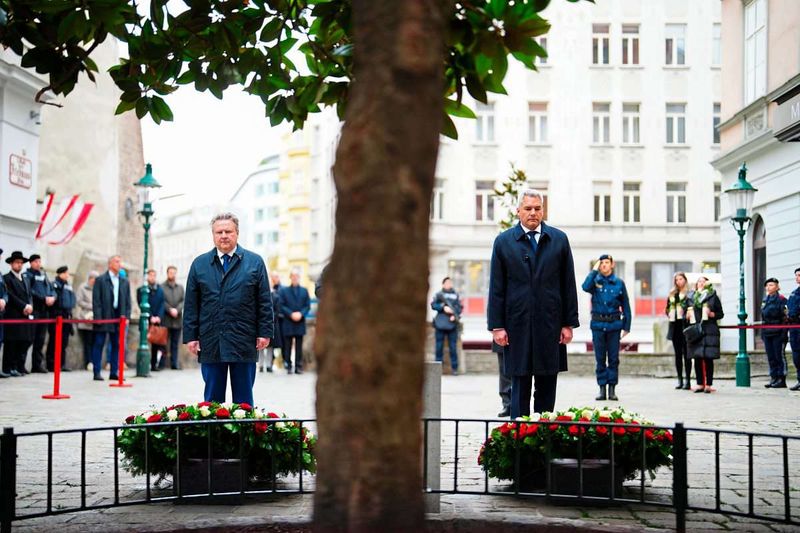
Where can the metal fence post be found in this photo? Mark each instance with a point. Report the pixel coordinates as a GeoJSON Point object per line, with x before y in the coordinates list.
{"type": "Point", "coordinates": [8, 478]}
{"type": "Point", "coordinates": [432, 408]}
{"type": "Point", "coordinates": [680, 477]}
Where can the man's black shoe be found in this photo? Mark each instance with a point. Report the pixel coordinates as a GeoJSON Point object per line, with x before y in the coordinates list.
{"type": "Point", "coordinates": [505, 412]}
{"type": "Point", "coordinates": [779, 383]}
{"type": "Point", "coordinates": [66, 370]}
{"type": "Point", "coordinates": [98, 378]}
{"type": "Point", "coordinates": [23, 371]}
{"type": "Point", "coordinates": [770, 384]}
{"type": "Point", "coordinates": [155, 369]}
{"type": "Point", "coordinates": [14, 374]}
{"type": "Point", "coordinates": [796, 386]}
{"type": "Point", "coordinates": [4, 375]}
{"type": "Point", "coordinates": [176, 368]}
{"type": "Point", "coordinates": [297, 371]}
{"type": "Point", "coordinates": [269, 368]}
{"type": "Point", "coordinates": [113, 377]}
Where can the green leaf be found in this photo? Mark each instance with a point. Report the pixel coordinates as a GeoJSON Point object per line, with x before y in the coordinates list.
{"type": "Point", "coordinates": [142, 107]}
{"type": "Point", "coordinates": [160, 106]}
{"type": "Point", "coordinates": [476, 89]}
{"type": "Point", "coordinates": [457, 109]}
{"type": "Point", "coordinates": [449, 127]}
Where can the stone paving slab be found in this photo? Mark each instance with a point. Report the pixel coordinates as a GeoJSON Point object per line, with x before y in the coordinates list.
{"type": "Point", "coordinates": [467, 396]}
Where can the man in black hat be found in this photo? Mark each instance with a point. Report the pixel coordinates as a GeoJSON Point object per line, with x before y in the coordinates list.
{"type": "Point", "coordinates": [18, 337]}
{"type": "Point", "coordinates": [3, 302]}
{"type": "Point", "coordinates": [65, 301]}
{"type": "Point", "coordinates": [44, 297]}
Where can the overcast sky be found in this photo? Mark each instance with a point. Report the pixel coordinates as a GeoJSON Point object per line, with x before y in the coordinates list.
{"type": "Point", "coordinates": [209, 148]}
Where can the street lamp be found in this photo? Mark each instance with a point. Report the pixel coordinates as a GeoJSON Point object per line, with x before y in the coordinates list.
{"type": "Point", "coordinates": [145, 185]}
{"type": "Point", "coordinates": [741, 198]}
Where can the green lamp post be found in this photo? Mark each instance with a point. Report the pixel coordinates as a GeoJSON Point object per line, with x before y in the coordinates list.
{"type": "Point", "coordinates": [145, 185]}
{"type": "Point", "coordinates": [741, 202]}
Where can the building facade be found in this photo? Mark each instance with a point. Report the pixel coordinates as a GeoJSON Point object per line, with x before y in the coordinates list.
{"type": "Point", "coordinates": [257, 202]}
{"type": "Point", "coordinates": [761, 126]}
{"type": "Point", "coordinates": [295, 208]}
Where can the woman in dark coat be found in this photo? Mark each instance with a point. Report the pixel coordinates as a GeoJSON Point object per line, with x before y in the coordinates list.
{"type": "Point", "coordinates": [677, 304]}
{"type": "Point", "coordinates": [706, 309]}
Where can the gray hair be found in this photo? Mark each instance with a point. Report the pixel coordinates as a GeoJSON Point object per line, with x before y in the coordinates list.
{"type": "Point", "coordinates": [112, 257]}
{"type": "Point", "coordinates": [529, 193]}
{"type": "Point", "coordinates": [93, 274]}
{"type": "Point", "coordinates": [226, 216]}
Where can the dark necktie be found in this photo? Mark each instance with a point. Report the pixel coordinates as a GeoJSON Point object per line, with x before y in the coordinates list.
{"type": "Point", "coordinates": [534, 245]}
{"type": "Point", "coordinates": [226, 261]}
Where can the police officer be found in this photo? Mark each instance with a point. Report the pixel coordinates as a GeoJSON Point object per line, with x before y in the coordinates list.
{"type": "Point", "coordinates": [611, 314]}
{"type": "Point", "coordinates": [793, 311]}
{"type": "Point", "coordinates": [44, 297]}
{"type": "Point", "coordinates": [447, 305]}
{"type": "Point", "coordinates": [65, 302]}
{"type": "Point", "coordinates": [773, 312]}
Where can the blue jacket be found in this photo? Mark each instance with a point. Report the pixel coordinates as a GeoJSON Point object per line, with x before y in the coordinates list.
{"type": "Point", "coordinates": [103, 300]}
{"type": "Point", "coordinates": [155, 299]}
{"type": "Point", "coordinates": [226, 312]}
{"type": "Point", "coordinates": [793, 306]}
{"type": "Point", "coordinates": [532, 298]}
{"type": "Point", "coordinates": [40, 289]}
{"type": "Point", "coordinates": [294, 299]}
{"type": "Point", "coordinates": [609, 297]}
{"type": "Point", "coordinates": [65, 299]}
{"type": "Point", "coordinates": [773, 311]}
{"type": "Point", "coordinates": [3, 295]}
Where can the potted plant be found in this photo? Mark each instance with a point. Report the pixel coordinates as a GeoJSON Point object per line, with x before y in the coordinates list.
{"type": "Point", "coordinates": [528, 439]}
{"type": "Point", "coordinates": [270, 446]}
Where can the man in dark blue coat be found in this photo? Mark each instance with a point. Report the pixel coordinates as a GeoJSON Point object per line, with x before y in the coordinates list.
{"type": "Point", "coordinates": [295, 305]}
{"type": "Point", "coordinates": [227, 313]}
{"type": "Point", "coordinates": [111, 299]}
{"type": "Point", "coordinates": [44, 297]}
{"type": "Point", "coordinates": [65, 302]}
{"type": "Point", "coordinates": [155, 299]}
{"type": "Point", "coordinates": [533, 305]}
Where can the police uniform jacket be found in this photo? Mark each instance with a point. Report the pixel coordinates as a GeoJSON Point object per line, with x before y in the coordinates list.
{"type": "Point", "coordinates": [19, 295]}
{"type": "Point", "coordinates": [227, 311]}
{"type": "Point", "coordinates": [611, 309]}
{"type": "Point", "coordinates": [773, 311]}
{"type": "Point", "coordinates": [40, 289]}
{"type": "Point", "coordinates": [793, 306]}
{"type": "Point", "coordinates": [446, 298]}
{"type": "Point", "coordinates": [103, 301]}
{"type": "Point", "coordinates": [532, 298]}
{"type": "Point", "coordinates": [708, 346]}
{"type": "Point", "coordinates": [294, 299]}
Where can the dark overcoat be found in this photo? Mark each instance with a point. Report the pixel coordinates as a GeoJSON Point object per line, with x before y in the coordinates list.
{"type": "Point", "coordinates": [294, 299]}
{"type": "Point", "coordinates": [227, 312]}
{"type": "Point", "coordinates": [532, 298]}
{"type": "Point", "coordinates": [277, 341]}
{"type": "Point", "coordinates": [155, 299]}
{"type": "Point", "coordinates": [19, 295]}
{"type": "Point", "coordinates": [708, 346]}
{"type": "Point", "coordinates": [103, 301]}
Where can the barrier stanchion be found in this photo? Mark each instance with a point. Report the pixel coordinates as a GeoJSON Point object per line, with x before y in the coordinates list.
{"type": "Point", "coordinates": [121, 365]}
{"type": "Point", "coordinates": [57, 369]}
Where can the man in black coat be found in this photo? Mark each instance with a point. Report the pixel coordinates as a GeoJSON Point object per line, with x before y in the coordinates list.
{"type": "Point", "coordinates": [111, 298]}
{"type": "Point", "coordinates": [3, 302]}
{"type": "Point", "coordinates": [277, 340]}
{"type": "Point", "coordinates": [227, 314]}
{"type": "Point", "coordinates": [44, 297]}
{"type": "Point", "coordinates": [18, 337]}
{"type": "Point", "coordinates": [295, 305]}
{"type": "Point", "coordinates": [533, 305]}
{"type": "Point", "coordinates": [65, 302]}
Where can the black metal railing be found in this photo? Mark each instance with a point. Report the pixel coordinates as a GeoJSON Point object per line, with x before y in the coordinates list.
{"type": "Point", "coordinates": [716, 471]}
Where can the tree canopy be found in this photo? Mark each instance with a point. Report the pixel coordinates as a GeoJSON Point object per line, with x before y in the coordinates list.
{"type": "Point", "coordinates": [296, 55]}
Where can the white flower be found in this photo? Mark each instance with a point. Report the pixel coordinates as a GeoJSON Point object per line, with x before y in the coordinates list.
{"type": "Point", "coordinates": [587, 413]}
{"type": "Point", "coordinates": [626, 417]}
{"type": "Point", "coordinates": [172, 415]}
{"type": "Point", "coordinates": [205, 411]}
{"type": "Point", "coordinates": [239, 414]}
{"type": "Point", "coordinates": [280, 425]}
{"type": "Point", "coordinates": [258, 414]}
{"type": "Point", "coordinates": [227, 405]}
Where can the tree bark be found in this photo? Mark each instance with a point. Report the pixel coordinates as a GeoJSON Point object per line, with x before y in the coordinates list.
{"type": "Point", "coordinates": [371, 328]}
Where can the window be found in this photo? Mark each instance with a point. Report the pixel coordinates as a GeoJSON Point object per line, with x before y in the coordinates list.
{"type": "Point", "coordinates": [600, 41]}
{"type": "Point", "coordinates": [260, 189]}
{"type": "Point", "coordinates": [484, 200]}
{"type": "Point", "coordinates": [471, 280]}
{"type": "Point", "coordinates": [602, 202]}
{"type": "Point", "coordinates": [272, 212]}
{"type": "Point", "coordinates": [437, 200]}
{"type": "Point", "coordinates": [537, 122]}
{"type": "Point", "coordinates": [601, 123]}
{"type": "Point", "coordinates": [297, 180]}
{"type": "Point", "coordinates": [273, 236]}
{"type": "Point", "coordinates": [715, 125]}
{"type": "Point", "coordinates": [630, 202]}
{"type": "Point", "coordinates": [259, 239]}
{"type": "Point", "coordinates": [484, 123]}
{"type": "Point", "coordinates": [259, 214]}
{"type": "Point", "coordinates": [676, 202]}
{"type": "Point", "coordinates": [630, 123]}
{"type": "Point", "coordinates": [630, 44]}
{"type": "Point", "coordinates": [541, 41]}
{"type": "Point", "coordinates": [717, 190]}
{"type": "Point", "coordinates": [274, 187]}
{"type": "Point", "coordinates": [675, 43]}
{"type": "Point", "coordinates": [755, 50]}
{"type": "Point", "coordinates": [716, 45]}
{"type": "Point", "coordinates": [676, 123]}
{"type": "Point", "coordinates": [652, 284]}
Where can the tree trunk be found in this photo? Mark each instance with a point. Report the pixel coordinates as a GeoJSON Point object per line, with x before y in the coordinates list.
{"type": "Point", "coordinates": [371, 329]}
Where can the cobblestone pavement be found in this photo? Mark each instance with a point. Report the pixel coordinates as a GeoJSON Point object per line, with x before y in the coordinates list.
{"type": "Point", "coordinates": [469, 396]}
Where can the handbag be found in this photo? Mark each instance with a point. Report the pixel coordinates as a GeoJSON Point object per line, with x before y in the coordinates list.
{"type": "Point", "coordinates": [157, 335]}
{"type": "Point", "coordinates": [694, 333]}
{"type": "Point", "coordinates": [442, 321]}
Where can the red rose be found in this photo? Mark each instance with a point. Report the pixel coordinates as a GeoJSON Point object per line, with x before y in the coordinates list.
{"type": "Point", "coordinates": [204, 404]}
{"type": "Point", "coordinates": [154, 418]}
{"type": "Point", "coordinates": [634, 430]}
{"type": "Point", "coordinates": [649, 434]}
{"type": "Point", "coordinates": [223, 413]}
{"type": "Point", "coordinates": [130, 419]}
{"type": "Point", "coordinates": [666, 436]}
{"type": "Point", "coordinates": [246, 406]}
{"type": "Point", "coordinates": [601, 430]}
{"type": "Point", "coordinates": [564, 418]}
{"type": "Point", "coordinates": [272, 415]}
{"type": "Point", "coordinates": [619, 431]}
{"type": "Point", "coordinates": [260, 428]}
{"type": "Point", "coordinates": [505, 429]}
{"type": "Point", "coordinates": [184, 416]}
{"type": "Point", "coordinates": [573, 430]}
{"type": "Point", "coordinates": [603, 419]}
{"type": "Point", "coordinates": [533, 429]}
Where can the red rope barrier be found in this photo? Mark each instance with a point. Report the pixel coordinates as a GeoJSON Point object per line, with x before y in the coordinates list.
{"type": "Point", "coordinates": [57, 368]}
{"type": "Point", "coordinates": [121, 364]}
{"type": "Point", "coordinates": [763, 326]}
